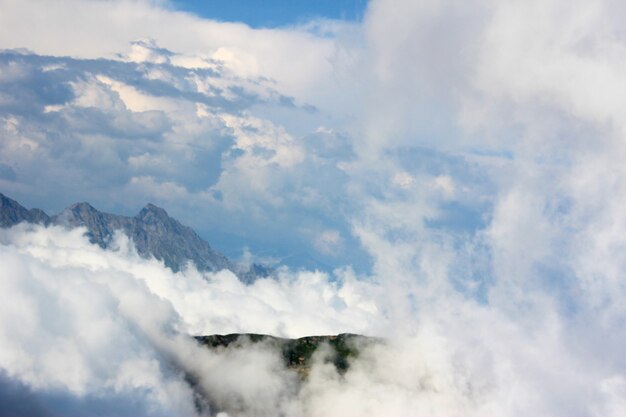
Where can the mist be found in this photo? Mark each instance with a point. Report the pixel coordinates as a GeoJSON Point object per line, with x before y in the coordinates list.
{"type": "Point", "coordinates": [460, 166]}
{"type": "Point", "coordinates": [88, 331]}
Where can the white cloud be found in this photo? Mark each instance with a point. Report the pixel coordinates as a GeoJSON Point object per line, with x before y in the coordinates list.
{"type": "Point", "coordinates": [295, 58]}
{"type": "Point", "coordinates": [509, 112]}
{"type": "Point", "coordinates": [84, 333]}
{"type": "Point", "coordinates": [90, 323]}
{"type": "Point", "coordinates": [181, 137]}
{"type": "Point", "coordinates": [107, 324]}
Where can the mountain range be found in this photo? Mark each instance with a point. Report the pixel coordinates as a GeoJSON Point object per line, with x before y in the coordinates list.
{"type": "Point", "coordinates": [153, 231]}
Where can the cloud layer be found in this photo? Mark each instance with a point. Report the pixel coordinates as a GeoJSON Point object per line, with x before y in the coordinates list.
{"type": "Point", "coordinates": [474, 153]}
{"type": "Point", "coordinates": [179, 131]}
{"type": "Point", "coordinates": [86, 329]}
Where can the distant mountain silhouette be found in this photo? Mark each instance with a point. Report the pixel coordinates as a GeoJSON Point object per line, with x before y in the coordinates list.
{"type": "Point", "coordinates": [153, 232]}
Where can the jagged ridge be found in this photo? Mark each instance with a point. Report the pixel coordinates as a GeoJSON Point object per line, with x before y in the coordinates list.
{"type": "Point", "coordinates": [152, 230]}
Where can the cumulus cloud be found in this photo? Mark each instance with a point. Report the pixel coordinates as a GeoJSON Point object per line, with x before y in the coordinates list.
{"type": "Point", "coordinates": [296, 58]}
{"type": "Point", "coordinates": [86, 329]}
{"type": "Point", "coordinates": [94, 347]}
{"type": "Point", "coordinates": [94, 328]}
{"type": "Point", "coordinates": [171, 130]}
{"type": "Point", "coordinates": [480, 165]}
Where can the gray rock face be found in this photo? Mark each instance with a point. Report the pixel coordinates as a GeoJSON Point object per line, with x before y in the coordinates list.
{"type": "Point", "coordinates": [100, 226]}
{"type": "Point", "coordinates": [12, 213]}
{"type": "Point", "coordinates": [153, 231]}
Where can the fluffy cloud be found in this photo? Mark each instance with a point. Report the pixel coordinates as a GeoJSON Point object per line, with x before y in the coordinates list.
{"type": "Point", "coordinates": [478, 159]}
{"type": "Point", "coordinates": [158, 127]}
{"type": "Point", "coordinates": [298, 59]}
{"type": "Point", "coordinates": [95, 353]}
{"type": "Point", "coordinates": [86, 329]}
{"type": "Point", "coordinates": [93, 327]}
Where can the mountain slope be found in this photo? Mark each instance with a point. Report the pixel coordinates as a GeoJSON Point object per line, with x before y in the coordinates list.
{"type": "Point", "coordinates": [297, 354]}
{"type": "Point", "coordinates": [152, 230]}
{"type": "Point", "coordinates": [12, 213]}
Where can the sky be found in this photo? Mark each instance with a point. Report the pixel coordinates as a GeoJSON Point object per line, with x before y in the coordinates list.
{"type": "Point", "coordinates": [273, 13]}
{"type": "Point", "coordinates": [446, 175]}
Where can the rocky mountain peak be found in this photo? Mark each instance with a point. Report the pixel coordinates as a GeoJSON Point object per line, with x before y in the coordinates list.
{"type": "Point", "coordinates": [152, 230]}
{"type": "Point", "coordinates": [84, 214]}
{"type": "Point", "coordinates": [12, 213]}
{"type": "Point", "coordinates": [152, 211]}
{"type": "Point", "coordinates": [79, 211]}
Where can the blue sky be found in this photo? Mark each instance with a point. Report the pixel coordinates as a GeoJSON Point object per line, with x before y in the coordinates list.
{"type": "Point", "coordinates": [274, 13]}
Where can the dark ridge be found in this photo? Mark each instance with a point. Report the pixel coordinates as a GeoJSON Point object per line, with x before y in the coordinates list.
{"type": "Point", "coordinates": [297, 354]}
{"type": "Point", "coordinates": [12, 213]}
